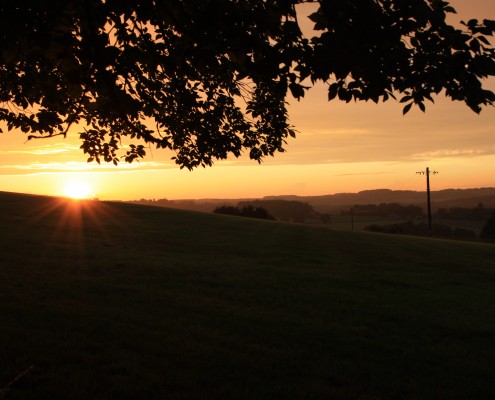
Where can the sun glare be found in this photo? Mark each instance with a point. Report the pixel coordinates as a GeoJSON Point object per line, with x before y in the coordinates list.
{"type": "Point", "coordinates": [77, 190]}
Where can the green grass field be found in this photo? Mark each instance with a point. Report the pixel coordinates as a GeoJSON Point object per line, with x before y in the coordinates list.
{"type": "Point", "coordinates": [115, 301]}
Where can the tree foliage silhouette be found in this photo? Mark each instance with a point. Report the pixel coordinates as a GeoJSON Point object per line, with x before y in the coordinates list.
{"type": "Point", "coordinates": [210, 78]}
{"type": "Point", "coordinates": [244, 211]}
{"type": "Point", "coordinates": [488, 230]}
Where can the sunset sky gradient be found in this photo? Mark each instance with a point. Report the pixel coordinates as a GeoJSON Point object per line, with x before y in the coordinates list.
{"type": "Point", "coordinates": [339, 148]}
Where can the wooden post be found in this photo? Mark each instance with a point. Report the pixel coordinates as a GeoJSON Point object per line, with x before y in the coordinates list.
{"type": "Point", "coordinates": [428, 199]}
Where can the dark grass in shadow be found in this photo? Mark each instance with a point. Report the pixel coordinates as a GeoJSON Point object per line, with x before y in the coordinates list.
{"type": "Point", "coordinates": [121, 301]}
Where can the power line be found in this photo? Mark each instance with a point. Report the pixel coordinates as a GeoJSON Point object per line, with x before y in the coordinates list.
{"type": "Point", "coordinates": [428, 173]}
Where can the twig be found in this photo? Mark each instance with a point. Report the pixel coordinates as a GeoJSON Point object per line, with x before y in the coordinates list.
{"type": "Point", "coordinates": [6, 388]}
{"type": "Point", "coordinates": [44, 137]}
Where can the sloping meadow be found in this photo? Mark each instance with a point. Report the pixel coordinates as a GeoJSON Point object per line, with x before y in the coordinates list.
{"type": "Point", "coordinates": [113, 301]}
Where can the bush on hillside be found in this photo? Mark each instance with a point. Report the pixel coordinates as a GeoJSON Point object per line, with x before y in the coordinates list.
{"type": "Point", "coordinates": [478, 213]}
{"type": "Point", "coordinates": [421, 229]}
{"type": "Point", "coordinates": [488, 230]}
{"type": "Point", "coordinates": [284, 210]}
{"type": "Point", "coordinates": [246, 211]}
{"type": "Point", "coordinates": [385, 210]}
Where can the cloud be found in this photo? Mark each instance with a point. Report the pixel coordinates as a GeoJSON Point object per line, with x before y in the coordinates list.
{"type": "Point", "coordinates": [74, 166]}
{"type": "Point", "coordinates": [452, 153]}
{"type": "Point", "coordinates": [325, 132]}
{"type": "Point", "coordinates": [365, 173]}
{"type": "Point", "coordinates": [50, 149]}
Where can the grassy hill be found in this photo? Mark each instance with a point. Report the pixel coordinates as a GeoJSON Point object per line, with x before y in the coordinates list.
{"type": "Point", "coordinates": [116, 301]}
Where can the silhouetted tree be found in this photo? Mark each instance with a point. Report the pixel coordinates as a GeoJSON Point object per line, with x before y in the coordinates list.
{"type": "Point", "coordinates": [488, 230]}
{"type": "Point", "coordinates": [255, 212]}
{"type": "Point", "coordinates": [285, 210]}
{"type": "Point", "coordinates": [210, 78]}
{"type": "Point", "coordinates": [246, 211]}
{"type": "Point", "coordinates": [227, 210]}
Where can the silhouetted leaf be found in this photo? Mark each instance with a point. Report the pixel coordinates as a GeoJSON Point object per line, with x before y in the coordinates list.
{"type": "Point", "coordinates": [296, 90]}
{"type": "Point", "coordinates": [475, 45]}
{"type": "Point", "coordinates": [484, 40]}
{"type": "Point", "coordinates": [333, 90]}
{"type": "Point", "coordinates": [407, 108]}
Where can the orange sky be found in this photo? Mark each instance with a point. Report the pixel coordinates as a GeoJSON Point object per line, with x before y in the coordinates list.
{"type": "Point", "coordinates": [340, 148]}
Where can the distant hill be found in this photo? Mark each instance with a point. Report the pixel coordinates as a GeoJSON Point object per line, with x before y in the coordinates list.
{"type": "Point", "coordinates": [440, 199]}
{"type": "Point", "coordinates": [334, 203]}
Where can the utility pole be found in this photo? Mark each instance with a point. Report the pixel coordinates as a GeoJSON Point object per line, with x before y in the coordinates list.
{"type": "Point", "coordinates": [427, 173]}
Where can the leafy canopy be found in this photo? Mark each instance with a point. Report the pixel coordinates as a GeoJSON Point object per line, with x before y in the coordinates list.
{"type": "Point", "coordinates": [210, 78]}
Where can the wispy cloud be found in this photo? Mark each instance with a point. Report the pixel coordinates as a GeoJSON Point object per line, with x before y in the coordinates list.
{"type": "Point", "coordinates": [50, 149]}
{"type": "Point", "coordinates": [74, 166]}
{"type": "Point", "coordinates": [365, 173]}
{"type": "Point", "coordinates": [348, 133]}
{"type": "Point", "coordinates": [452, 153]}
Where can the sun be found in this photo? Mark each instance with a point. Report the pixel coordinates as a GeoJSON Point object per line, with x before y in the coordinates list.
{"type": "Point", "coordinates": [77, 190]}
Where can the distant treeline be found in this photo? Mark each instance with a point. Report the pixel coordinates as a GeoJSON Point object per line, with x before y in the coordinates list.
{"type": "Point", "coordinates": [245, 211]}
{"type": "Point", "coordinates": [440, 230]}
{"type": "Point", "coordinates": [289, 210]}
{"type": "Point", "coordinates": [385, 210]}
{"type": "Point", "coordinates": [282, 210]}
{"type": "Point", "coordinates": [478, 213]}
{"type": "Point", "coordinates": [333, 204]}
{"type": "Point", "coordinates": [399, 211]}
{"type": "Point", "coordinates": [421, 229]}
{"type": "Point", "coordinates": [192, 205]}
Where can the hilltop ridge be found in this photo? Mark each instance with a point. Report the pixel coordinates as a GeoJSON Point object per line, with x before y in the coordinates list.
{"type": "Point", "coordinates": [333, 203]}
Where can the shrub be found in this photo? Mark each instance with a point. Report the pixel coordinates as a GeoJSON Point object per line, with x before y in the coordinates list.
{"type": "Point", "coordinates": [488, 230]}
{"type": "Point", "coordinates": [421, 229]}
{"type": "Point", "coordinates": [246, 211]}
